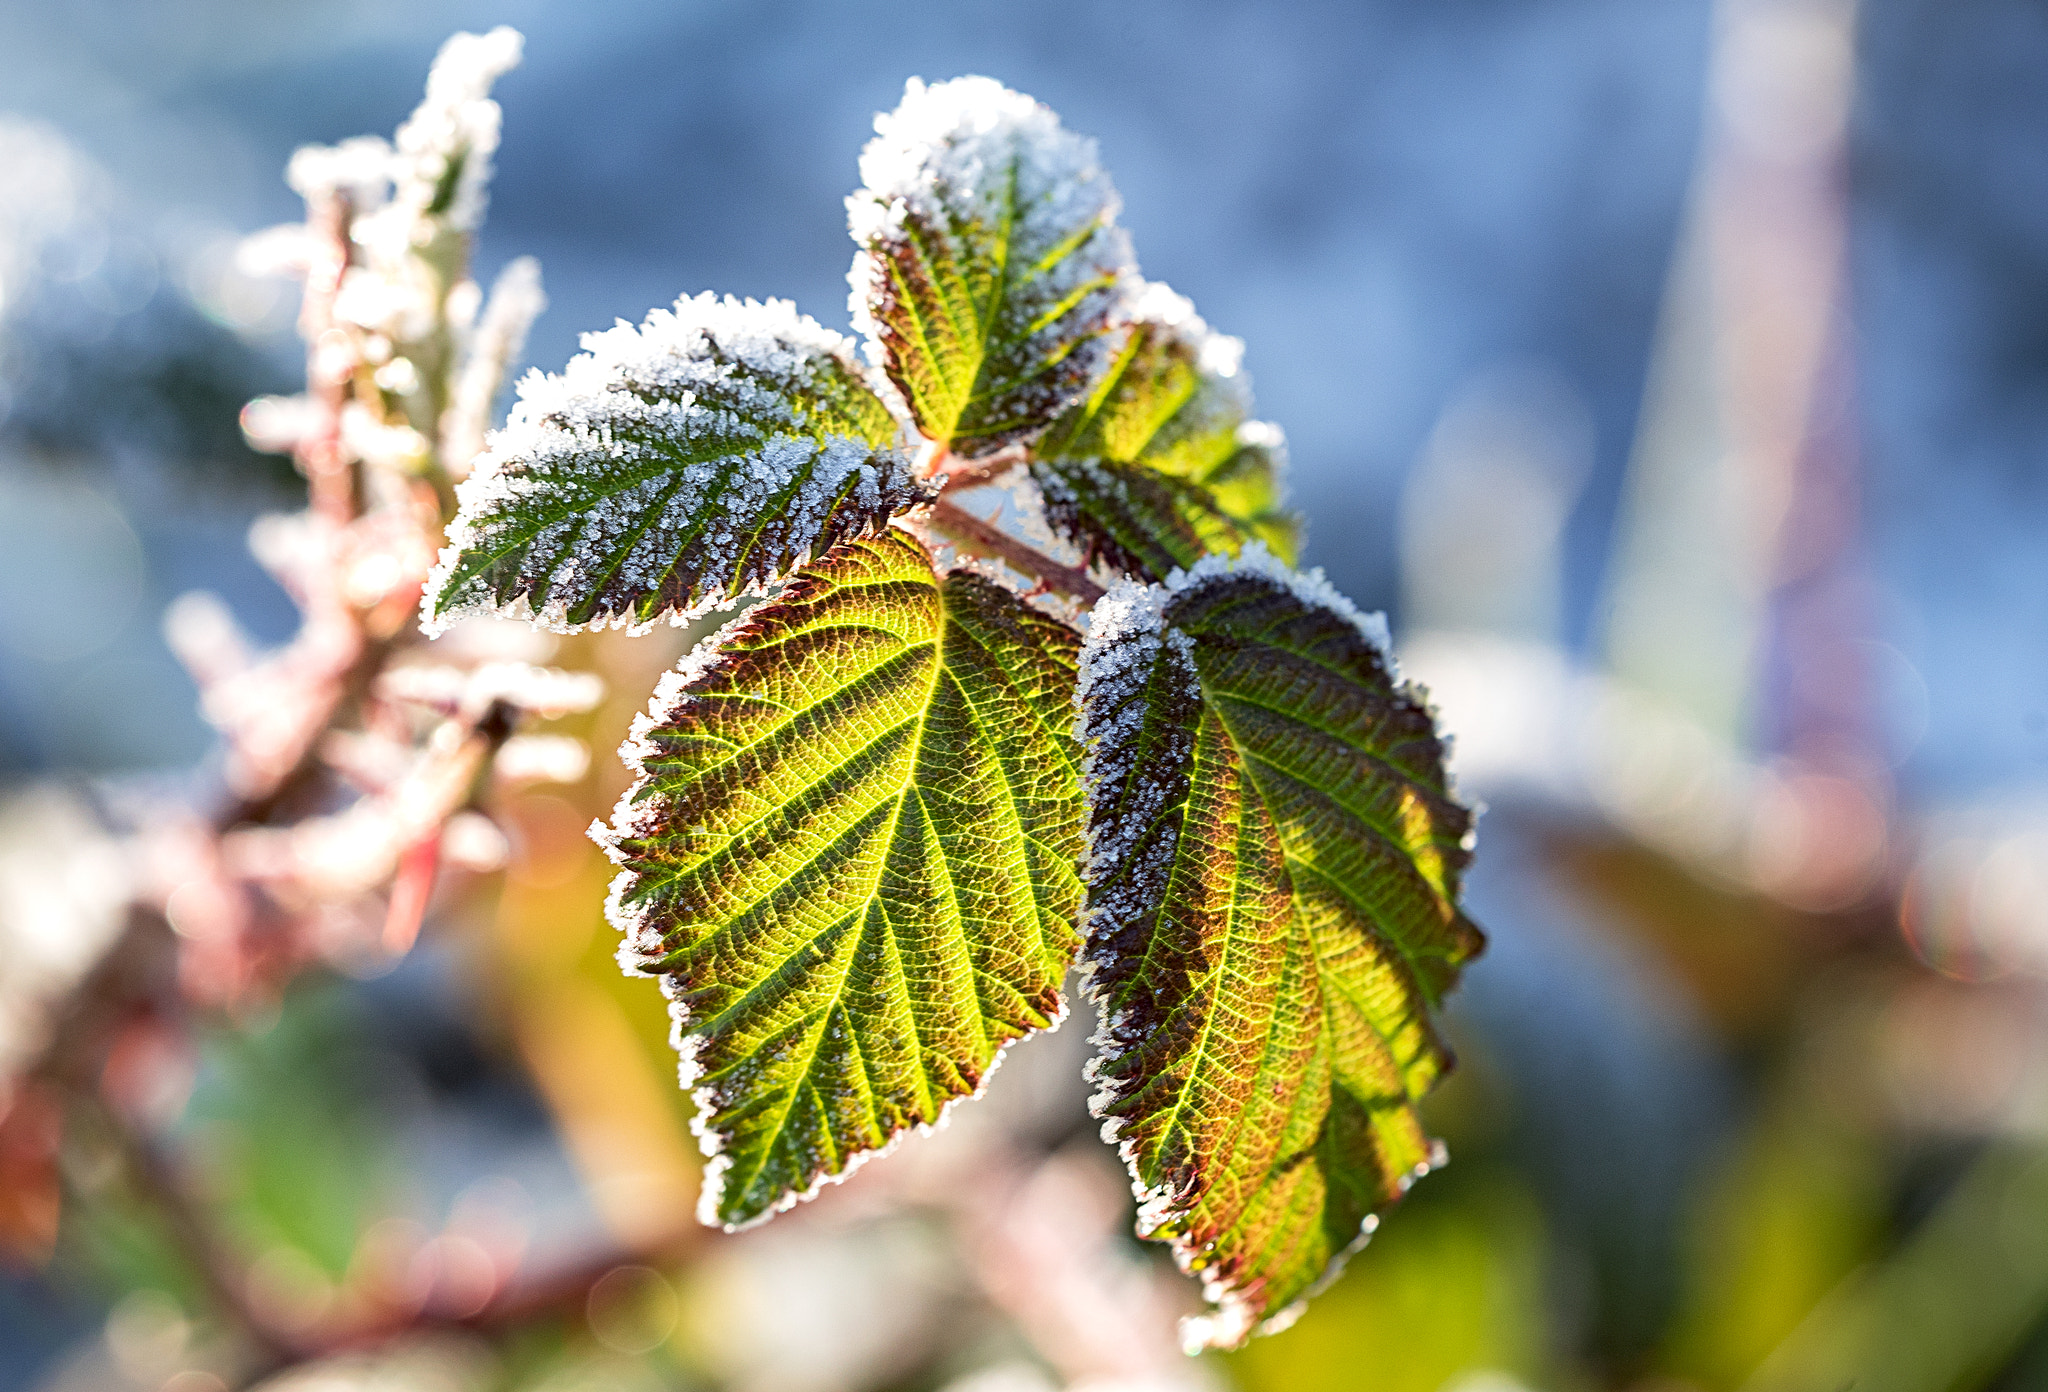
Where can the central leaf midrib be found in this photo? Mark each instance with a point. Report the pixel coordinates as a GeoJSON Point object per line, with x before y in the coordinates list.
{"type": "Point", "coordinates": [1435, 799]}
{"type": "Point", "coordinates": [664, 457]}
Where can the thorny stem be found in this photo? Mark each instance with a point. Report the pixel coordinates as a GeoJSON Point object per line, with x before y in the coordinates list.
{"type": "Point", "coordinates": [980, 538]}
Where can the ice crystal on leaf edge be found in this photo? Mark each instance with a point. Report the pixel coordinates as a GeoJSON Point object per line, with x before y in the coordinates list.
{"type": "Point", "coordinates": [807, 448]}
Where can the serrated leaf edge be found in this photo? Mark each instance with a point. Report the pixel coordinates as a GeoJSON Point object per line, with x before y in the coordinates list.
{"type": "Point", "coordinates": [610, 351]}
{"type": "Point", "coordinates": [1136, 610]}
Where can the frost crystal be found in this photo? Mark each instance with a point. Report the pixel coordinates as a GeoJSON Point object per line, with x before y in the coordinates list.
{"type": "Point", "coordinates": [1218, 357]}
{"type": "Point", "coordinates": [948, 152]}
{"type": "Point", "coordinates": [671, 467]}
{"type": "Point", "coordinates": [1311, 587]}
{"type": "Point", "coordinates": [1115, 702]}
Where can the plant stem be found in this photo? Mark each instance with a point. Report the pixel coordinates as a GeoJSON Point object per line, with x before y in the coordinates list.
{"type": "Point", "coordinates": [980, 538]}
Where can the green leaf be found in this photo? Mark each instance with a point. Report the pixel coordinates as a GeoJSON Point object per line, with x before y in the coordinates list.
{"type": "Point", "coordinates": [670, 468]}
{"type": "Point", "coordinates": [990, 261]}
{"type": "Point", "coordinates": [851, 856]}
{"type": "Point", "coordinates": [1135, 519]}
{"type": "Point", "coordinates": [1272, 915]}
{"type": "Point", "coordinates": [1160, 464]}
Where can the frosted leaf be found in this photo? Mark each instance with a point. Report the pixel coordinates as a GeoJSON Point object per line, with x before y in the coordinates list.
{"type": "Point", "coordinates": [1135, 519]}
{"type": "Point", "coordinates": [1159, 464]}
{"type": "Point", "coordinates": [850, 856]}
{"type": "Point", "coordinates": [1273, 866]}
{"type": "Point", "coordinates": [990, 261]}
{"type": "Point", "coordinates": [1172, 396]}
{"type": "Point", "coordinates": [670, 468]}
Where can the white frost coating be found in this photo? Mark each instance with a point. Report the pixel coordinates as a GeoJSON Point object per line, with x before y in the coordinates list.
{"type": "Point", "coordinates": [360, 167]}
{"type": "Point", "coordinates": [710, 370]}
{"type": "Point", "coordinates": [457, 121]}
{"type": "Point", "coordinates": [1219, 357]}
{"type": "Point", "coordinates": [945, 156]}
{"type": "Point", "coordinates": [1126, 631]}
{"type": "Point", "coordinates": [948, 150]}
{"type": "Point", "coordinates": [640, 949]}
{"type": "Point", "coordinates": [1311, 587]}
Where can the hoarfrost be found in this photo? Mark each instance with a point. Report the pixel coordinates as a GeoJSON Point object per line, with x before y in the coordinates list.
{"type": "Point", "coordinates": [1311, 587]}
{"type": "Point", "coordinates": [1218, 357]}
{"type": "Point", "coordinates": [947, 152]}
{"type": "Point", "coordinates": [670, 468]}
{"type": "Point", "coordinates": [957, 160]}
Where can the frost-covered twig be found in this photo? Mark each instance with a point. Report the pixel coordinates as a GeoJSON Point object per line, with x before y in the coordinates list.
{"type": "Point", "coordinates": [296, 862]}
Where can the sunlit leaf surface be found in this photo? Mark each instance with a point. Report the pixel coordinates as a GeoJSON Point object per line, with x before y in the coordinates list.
{"type": "Point", "coordinates": [1161, 464]}
{"type": "Point", "coordinates": [990, 261]}
{"type": "Point", "coordinates": [1272, 885]}
{"type": "Point", "coordinates": [852, 856]}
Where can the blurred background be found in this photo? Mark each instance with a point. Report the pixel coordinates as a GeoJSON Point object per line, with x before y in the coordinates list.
{"type": "Point", "coordinates": [1675, 375]}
